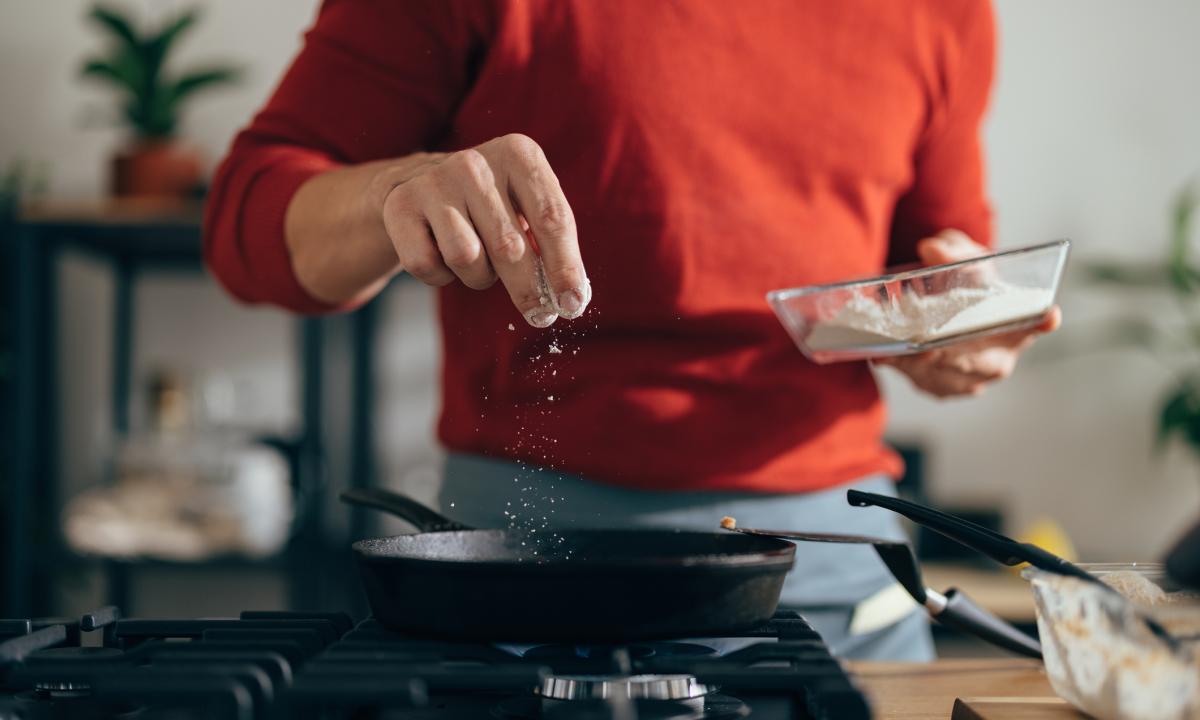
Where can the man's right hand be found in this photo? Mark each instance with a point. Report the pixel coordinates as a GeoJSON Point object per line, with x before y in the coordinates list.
{"type": "Point", "coordinates": [469, 215]}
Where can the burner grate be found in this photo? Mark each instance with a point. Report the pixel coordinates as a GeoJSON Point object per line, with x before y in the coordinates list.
{"type": "Point", "coordinates": [319, 665]}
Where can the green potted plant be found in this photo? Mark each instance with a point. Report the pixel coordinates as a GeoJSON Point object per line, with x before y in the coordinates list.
{"type": "Point", "coordinates": [154, 163]}
{"type": "Point", "coordinates": [1173, 339]}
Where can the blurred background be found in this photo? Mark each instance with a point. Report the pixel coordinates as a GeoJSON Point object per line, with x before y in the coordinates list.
{"type": "Point", "coordinates": [125, 364]}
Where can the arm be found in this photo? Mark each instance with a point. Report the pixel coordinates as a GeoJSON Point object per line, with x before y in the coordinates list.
{"type": "Point", "coordinates": [945, 217]}
{"type": "Point", "coordinates": [442, 217]}
{"type": "Point", "coordinates": [327, 194]}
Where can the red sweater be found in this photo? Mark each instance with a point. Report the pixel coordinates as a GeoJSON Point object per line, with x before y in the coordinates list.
{"type": "Point", "coordinates": [711, 151]}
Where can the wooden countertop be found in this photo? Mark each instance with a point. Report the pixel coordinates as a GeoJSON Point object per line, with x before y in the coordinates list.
{"type": "Point", "coordinates": [985, 689]}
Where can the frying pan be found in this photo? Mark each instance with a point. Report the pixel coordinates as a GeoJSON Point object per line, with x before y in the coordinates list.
{"type": "Point", "coordinates": [598, 586]}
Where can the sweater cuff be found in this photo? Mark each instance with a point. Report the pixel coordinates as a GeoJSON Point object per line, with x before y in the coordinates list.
{"type": "Point", "coordinates": [261, 225]}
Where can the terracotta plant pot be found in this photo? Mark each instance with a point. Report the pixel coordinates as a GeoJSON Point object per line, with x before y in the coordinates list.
{"type": "Point", "coordinates": [161, 169]}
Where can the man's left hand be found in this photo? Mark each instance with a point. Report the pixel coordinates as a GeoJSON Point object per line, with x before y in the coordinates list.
{"type": "Point", "coordinates": [965, 368]}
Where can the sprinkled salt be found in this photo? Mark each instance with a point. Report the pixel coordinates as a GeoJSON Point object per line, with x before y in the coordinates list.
{"type": "Point", "coordinates": [554, 348]}
{"type": "Point", "coordinates": [511, 326]}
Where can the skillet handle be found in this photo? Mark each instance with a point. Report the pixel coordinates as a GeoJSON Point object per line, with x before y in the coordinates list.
{"type": "Point", "coordinates": [998, 547]}
{"type": "Point", "coordinates": [403, 507]}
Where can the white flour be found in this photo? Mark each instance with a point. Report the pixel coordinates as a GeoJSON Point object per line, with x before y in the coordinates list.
{"type": "Point", "coordinates": [922, 318]}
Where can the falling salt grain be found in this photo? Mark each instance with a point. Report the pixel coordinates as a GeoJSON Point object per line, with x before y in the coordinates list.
{"type": "Point", "coordinates": [510, 326]}
{"type": "Point", "coordinates": [550, 398]}
{"type": "Point", "coordinates": [555, 349]}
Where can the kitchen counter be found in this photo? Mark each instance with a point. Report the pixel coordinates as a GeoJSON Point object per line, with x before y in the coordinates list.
{"type": "Point", "coordinates": [964, 689]}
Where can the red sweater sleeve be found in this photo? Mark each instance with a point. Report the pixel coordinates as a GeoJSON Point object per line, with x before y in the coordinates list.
{"type": "Point", "coordinates": [948, 183]}
{"type": "Point", "coordinates": [375, 79]}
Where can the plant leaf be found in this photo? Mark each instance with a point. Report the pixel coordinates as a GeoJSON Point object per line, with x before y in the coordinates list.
{"type": "Point", "coordinates": [1185, 278]}
{"type": "Point", "coordinates": [201, 79]}
{"type": "Point", "coordinates": [116, 24]}
{"type": "Point", "coordinates": [156, 48]}
{"type": "Point", "coordinates": [1178, 414]}
{"type": "Point", "coordinates": [173, 29]}
{"type": "Point", "coordinates": [118, 73]}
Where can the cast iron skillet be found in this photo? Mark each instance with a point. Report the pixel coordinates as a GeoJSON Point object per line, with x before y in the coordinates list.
{"type": "Point", "coordinates": [605, 586]}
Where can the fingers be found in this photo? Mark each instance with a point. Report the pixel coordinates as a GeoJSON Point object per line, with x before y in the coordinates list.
{"type": "Point", "coordinates": [506, 244]}
{"type": "Point", "coordinates": [540, 199]}
{"type": "Point", "coordinates": [466, 216]}
{"type": "Point", "coordinates": [460, 247]}
{"type": "Point", "coordinates": [950, 372]}
{"type": "Point", "coordinates": [936, 381]}
{"type": "Point", "coordinates": [1021, 339]}
{"type": "Point", "coordinates": [418, 255]}
{"type": "Point", "coordinates": [948, 246]}
{"type": "Point", "coordinates": [1052, 321]}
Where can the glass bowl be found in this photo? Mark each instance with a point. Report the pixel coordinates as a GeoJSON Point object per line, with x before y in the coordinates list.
{"type": "Point", "coordinates": [915, 310]}
{"type": "Point", "coordinates": [1102, 656]}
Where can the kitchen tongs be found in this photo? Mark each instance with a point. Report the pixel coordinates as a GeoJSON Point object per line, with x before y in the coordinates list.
{"type": "Point", "coordinates": [953, 608]}
{"type": "Point", "coordinates": [1000, 548]}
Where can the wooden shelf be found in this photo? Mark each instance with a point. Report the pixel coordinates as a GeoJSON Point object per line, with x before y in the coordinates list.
{"type": "Point", "coordinates": [159, 232]}
{"type": "Point", "coordinates": [113, 212]}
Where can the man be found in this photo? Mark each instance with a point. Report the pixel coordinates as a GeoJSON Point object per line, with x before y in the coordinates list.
{"type": "Point", "coordinates": [675, 160]}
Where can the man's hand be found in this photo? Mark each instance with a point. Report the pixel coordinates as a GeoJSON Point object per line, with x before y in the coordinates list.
{"type": "Point", "coordinates": [966, 368]}
{"type": "Point", "coordinates": [469, 216]}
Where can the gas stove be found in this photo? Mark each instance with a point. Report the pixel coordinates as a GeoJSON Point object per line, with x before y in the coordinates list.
{"type": "Point", "coordinates": [321, 666]}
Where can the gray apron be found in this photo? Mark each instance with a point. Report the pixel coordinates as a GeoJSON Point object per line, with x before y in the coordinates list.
{"type": "Point", "coordinates": [827, 584]}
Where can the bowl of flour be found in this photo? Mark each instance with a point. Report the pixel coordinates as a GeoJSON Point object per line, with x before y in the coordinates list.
{"type": "Point", "coordinates": [1102, 656]}
{"type": "Point", "coordinates": [918, 310]}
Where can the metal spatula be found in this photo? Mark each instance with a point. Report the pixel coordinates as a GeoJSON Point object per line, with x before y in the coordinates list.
{"type": "Point", "coordinates": [1000, 548]}
{"type": "Point", "coordinates": [953, 608]}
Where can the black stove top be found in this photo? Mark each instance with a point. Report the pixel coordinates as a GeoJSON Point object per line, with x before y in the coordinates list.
{"type": "Point", "coordinates": [320, 665]}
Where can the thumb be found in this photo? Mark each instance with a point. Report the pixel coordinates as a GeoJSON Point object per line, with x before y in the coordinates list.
{"type": "Point", "coordinates": [948, 246]}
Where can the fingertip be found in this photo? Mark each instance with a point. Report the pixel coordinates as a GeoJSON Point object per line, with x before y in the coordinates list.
{"type": "Point", "coordinates": [949, 245]}
{"type": "Point", "coordinates": [540, 318]}
{"type": "Point", "coordinates": [573, 302]}
{"type": "Point", "coordinates": [1053, 320]}
{"type": "Point", "coordinates": [954, 236]}
{"type": "Point", "coordinates": [931, 250]}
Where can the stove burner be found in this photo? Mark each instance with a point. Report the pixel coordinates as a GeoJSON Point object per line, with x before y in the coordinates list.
{"type": "Point", "coordinates": [62, 688]}
{"type": "Point", "coordinates": [634, 687]}
{"type": "Point", "coordinates": [279, 664]}
{"type": "Point", "coordinates": [637, 651]}
{"type": "Point", "coordinates": [708, 707]}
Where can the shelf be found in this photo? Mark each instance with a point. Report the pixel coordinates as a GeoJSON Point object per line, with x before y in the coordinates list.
{"type": "Point", "coordinates": [159, 232]}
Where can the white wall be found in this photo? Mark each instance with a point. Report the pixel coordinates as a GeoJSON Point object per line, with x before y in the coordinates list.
{"type": "Point", "coordinates": [1093, 127]}
{"type": "Point", "coordinates": [50, 114]}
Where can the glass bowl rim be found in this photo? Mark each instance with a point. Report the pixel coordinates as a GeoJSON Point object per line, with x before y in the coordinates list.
{"type": "Point", "coordinates": [784, 294]}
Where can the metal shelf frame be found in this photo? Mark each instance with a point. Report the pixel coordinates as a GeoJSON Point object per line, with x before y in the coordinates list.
{"type": "Point", "coordinates": [133, 245]}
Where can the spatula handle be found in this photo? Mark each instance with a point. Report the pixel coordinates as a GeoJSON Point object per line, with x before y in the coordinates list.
{"type": "Point", "coordinates": [998, 547]}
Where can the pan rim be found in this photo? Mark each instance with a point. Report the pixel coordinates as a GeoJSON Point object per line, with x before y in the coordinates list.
{"type": "Point", "coordinates": [781, 557]}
